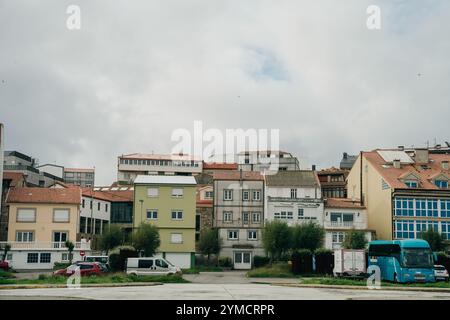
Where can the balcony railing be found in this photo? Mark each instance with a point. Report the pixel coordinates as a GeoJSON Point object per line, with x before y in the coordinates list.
{"type": "Point", "coordinates": [15, 245]}
{"type": "Point", "coordinates": [341, 224]}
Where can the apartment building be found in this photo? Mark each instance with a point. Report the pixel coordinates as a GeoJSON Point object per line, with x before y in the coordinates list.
{"type": "Point", "coordinates": [333, 182]}
{"type": "Point", "coordinates": [95, 214]}
{"type": "Point", "coordinates": [239, 215]}
{"type": "Point", "coordinates": [169, 203]}
{"type": "Point", "coordinates": [267, 161]}
{"type": "Point", "coordinates": [40, 221]}
{"type": "Point", "coordinates": [131, 165]}
{"type": "Point", "coordinates": [294, 197]}
{"type": "Point", "coordinates": [341, 216]}
{"type": "Point", "coordinates": [405, 192]}
{"type": "Point", "coordinates": [80, 177]}
{"type": "Point", "coordinates": [10, 180]}
{"type": "Point", "coordinates": [15, 161]}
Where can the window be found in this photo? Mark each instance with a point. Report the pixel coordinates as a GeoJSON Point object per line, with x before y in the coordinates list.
{"type": "Point", "coordinates": [177, 192]}
{"type": "Point", "coordinates": [106, 207]}
{"type": "Point", "coordinates": [411, 184]}
{"type": "Point", "coordinates": [152, 214]}
{"type": "Point", "coordinates": [228, 194]}
{"type": "Point", "coordinates": [337, 237]}
{"type": "Point", "coordinates": [441, 184]}
{"type": "Point", "coordinates": [301, 214]}
{"type": "Point", "coordinates": [256, 195]}
{"type": "Point", "coordinates": [33, 257]}
{"type": "Point", "coordinates": [404, 229]}
{"type": "Point", "coordinates": [83, 203]}
{"type": "Point", "coordinates": [145, 264]}
{"type": "Point", "coordinates": [98, 206]}
{"type": "Point", "coordinates": [245, 195]}
{"type": "Point", "coordinates": [432, 208]}
{"type": "Point", "coordinates": [152, 192]}
{"type": "Point", "coordinates": [284, 215]}
{"type": "Point", "coordinates": [227, 216]}
{"type": "Point", "coordinates": [341, 219]}
{"type": "Point", "coordinates": [24, 236]}
{"type": "Point", "coordinates": [293, 193]}
{"type": "Point", "coordinates": [177, 215]}
{"type": "Point", "coordinates": [61, 215]}
{"type": "Point", "coordinates": [65, 257]}
{"type": "Point", "coordinates": [252, 235]}
{"type": "Point", "coordinates": [445, 229]}
{"type": "Point", "coordinates": [26, 215]}
{"type": "Point", "coordinates": [161, 263]}
{"type": "Point", "coordinates": [404, 207]}
{"type": "Point", "coordinates": [176, 238]}
{"type": "Point", "coordinates": [421, 207]}
{"type": "Point", "coordinates": [233, 235]}
{"type": "Point", "coordinates": [46, 257]}
{"type": "Point", "coordinates": [245, 217]}
{"type": "Point", "coordinates": [256, 217]}
{"type": "Point", "coordinates": [208, 194]}
{"type": "Point", "coordinates": [445, 209]}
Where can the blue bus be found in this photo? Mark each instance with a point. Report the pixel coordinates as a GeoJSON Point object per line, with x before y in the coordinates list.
{"type": "Point", "coordinates": [402, 260]}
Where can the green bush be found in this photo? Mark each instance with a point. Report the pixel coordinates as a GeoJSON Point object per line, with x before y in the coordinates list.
{"type": "Point", "coordinates": [324, 261]}
{"type": "Point", "coordinates": [43, 277]}
{"type": "Point", "coordinates": [119, 255]}
{"type": "Point", "coordinates": [302, 261]}
{"type": "Point", "coordinates": [225, 262]}
{"type": "Point", "coordinates": [259, 261]}
{"type": "Point", "coordinates": [60, 265]}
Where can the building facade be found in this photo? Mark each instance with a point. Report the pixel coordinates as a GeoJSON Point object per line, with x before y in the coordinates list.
{"type": "Point", "coordinates": [341, 216]}
{"type": "Point", "coordinates": [267, 161]}
{"type": "Point", "coordinates": [40, 221]}
{"type": "Point", "coordinates": [239, 215]}
{"type": "Point", "coordinates": [169, 203]}
{"type": "Point", "coordinates": [80, 177]}
{"type": "Point", "coordinates": [405, 192]}
{"type": "Point", "coordinates": [294, 197]}
{"type": "Point", "coordinates": [131, 165]}
{"type": "Point", "coordinates": [333, 182]}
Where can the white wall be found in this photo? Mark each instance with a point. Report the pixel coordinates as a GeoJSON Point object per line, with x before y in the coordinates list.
{"type": "Point", "coordinates": [19, 259]}
{"type": "Point", "coordinates": [102, 214]}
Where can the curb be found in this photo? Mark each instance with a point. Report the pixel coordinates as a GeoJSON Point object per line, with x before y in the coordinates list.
{"type": "Point", "coordinates": [343, 287]}
{"type": "Point", "coordinates": [87, 285]}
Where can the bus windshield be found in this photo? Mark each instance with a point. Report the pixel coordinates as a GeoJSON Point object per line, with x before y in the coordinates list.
{"type": "Point", "coordinates": [417, 258]}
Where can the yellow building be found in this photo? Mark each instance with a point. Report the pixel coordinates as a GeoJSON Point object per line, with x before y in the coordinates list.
{"type": "Point", "coordinates": [168, 202]}
{"type": "Point", "coordinates": [41, 220]}
{"type": "Point", "coordinates": [405, 191]}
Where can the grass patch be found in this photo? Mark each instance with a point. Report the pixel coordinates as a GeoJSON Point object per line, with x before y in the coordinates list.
{"type": "Point", "coordinates": [6, 274]}
{"type": "Point", "coordinates": [362, 282]}
{"type": "Point", "coordinates": [107, 278]}
{"type": "Point", "coordinates": [278, 270]}
{"type": "Point", "coordinates": [198, 269]}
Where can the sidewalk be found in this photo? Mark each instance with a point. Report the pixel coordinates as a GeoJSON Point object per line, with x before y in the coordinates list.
{"type": "Point", "coordinates": [87, 285]}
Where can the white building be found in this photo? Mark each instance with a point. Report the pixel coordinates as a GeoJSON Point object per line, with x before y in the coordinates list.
{"type": "Point", "coordinates": [341, 216]}
{"type": "Point", "coordinates": [95, 212]}
{"type": "Point", "coordinates": [131, 165]}
{"type": "Point", "coordinates": [267, 160]}
{"type": "Point", "coordinates": [294, 197]}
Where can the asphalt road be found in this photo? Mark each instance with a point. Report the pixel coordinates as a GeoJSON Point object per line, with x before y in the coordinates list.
{"type": "Point", "coordinates": [193, 291]}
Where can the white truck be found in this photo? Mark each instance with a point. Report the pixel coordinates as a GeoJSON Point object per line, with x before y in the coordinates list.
{"type": "Point", "coordinates": [350, 263]}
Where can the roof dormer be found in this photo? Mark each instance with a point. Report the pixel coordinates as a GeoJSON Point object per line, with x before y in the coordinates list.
{"type": "Point", "coordinates": [410, 179]}
{"type": "Point", "coordinates": [440, 180]}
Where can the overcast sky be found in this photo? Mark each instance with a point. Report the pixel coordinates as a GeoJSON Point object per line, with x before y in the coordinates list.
{"type": "Point", "coordinates": [137, 70]}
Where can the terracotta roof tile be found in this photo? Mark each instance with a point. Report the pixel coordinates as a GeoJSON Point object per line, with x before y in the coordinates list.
{"type": "Point", "coordinates": [343, 203]}
{"type": "Point", "coordinates": [45, 195]}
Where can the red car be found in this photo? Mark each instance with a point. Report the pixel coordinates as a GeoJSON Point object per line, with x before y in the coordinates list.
{"type": "Point", "coordinates": [4, 265]}
{"type": "Point", "coordinates": [86, 269]}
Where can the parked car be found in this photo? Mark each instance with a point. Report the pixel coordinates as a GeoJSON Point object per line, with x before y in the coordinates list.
{"type": "Point", "coordinates": [4, 265]}
{"type": "Point", "coordinates": [440, 273]}
{"type": "Point", "coordinates": [86, 269]}
{"type": "Point", "coordinates": [151, 266]}
{"type": "Point", "coordinates": [103, 260]}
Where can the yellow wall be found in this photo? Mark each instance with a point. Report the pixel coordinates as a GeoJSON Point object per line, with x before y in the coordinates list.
{"type": "Point", "coordinates": [164, 204]}
{"type": "Point", "coordinates": [377, 200]}
{"type": "Point", "coordinates": [44, 226]}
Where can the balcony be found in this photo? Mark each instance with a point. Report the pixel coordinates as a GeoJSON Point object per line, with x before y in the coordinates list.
{"type": "Point", "coordinates": [40, 245]}
{"type": "Point", "coordinates": [345, 225]}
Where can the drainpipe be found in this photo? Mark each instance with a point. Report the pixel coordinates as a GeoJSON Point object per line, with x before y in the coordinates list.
{"type": "Point", "coordinates": [361, 178]}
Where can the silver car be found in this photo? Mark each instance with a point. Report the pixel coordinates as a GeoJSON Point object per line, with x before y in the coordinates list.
{"type": "Point", "coordinates": [440, 273]}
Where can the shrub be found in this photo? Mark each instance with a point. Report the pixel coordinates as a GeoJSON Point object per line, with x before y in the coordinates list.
{"type": "Point", "coordinates": [119, 255]}
{"type": "Point", "coordinates": [308, 236]}
{"type": "Point", "coordinates": [355, 239]}
{"type": "Point", "coordinates": [43, 277]}
{"type": "Point", "coordinates": [302, 261]}
{"type": "Point", "coordinates": [259, 261]}
{"type": "Point", "coordinates": [209, 243]}
{"type": "Point", "coordinates": [276, 238]}
{"type": "Point", "coordinates": [324, 261]}
{"type": "Point", "coordinates": [225, 262]}
{"type": "Point", "coordinates": [60, 265]}
{"type": "Point", "coordinates": [146, 239]}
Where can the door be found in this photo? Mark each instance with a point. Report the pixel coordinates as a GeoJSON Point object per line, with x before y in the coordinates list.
{"type": "Point", "coordinates": [242, 260]}
{"type": "Point", "coordinates": [161, 266]}
{"type": "Point", "coordinates": [59, 238]}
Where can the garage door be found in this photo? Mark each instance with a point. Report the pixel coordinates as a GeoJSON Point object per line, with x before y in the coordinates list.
{"type": "Point", "coordinates": [182, 260]}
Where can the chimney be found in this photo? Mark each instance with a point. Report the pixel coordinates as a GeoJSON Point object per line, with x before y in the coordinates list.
{"type": "Point", "coordinates": [345, 155]}
{"type": "Point", "coordinates": [313, 167]}
{"type": "Point", "coordinates": [396, 164]}
{"type": "Point", "coordinates": [401, 148]}
{"type": "Point", "coordinates": [444, 165]}
{"type": "Point", "coordinates": [421, 156]}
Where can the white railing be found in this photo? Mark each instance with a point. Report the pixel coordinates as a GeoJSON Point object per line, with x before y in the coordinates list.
{"type": "Point", "coordinates": [44, 245]}
{"type": "Point", "coordinates": [344, 224]}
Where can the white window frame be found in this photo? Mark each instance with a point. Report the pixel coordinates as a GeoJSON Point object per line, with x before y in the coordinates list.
{"type": "Point", "coordinates": [22, 236]}
{"type": "Point", "coordinates": [256, 214]}
{"type": "Point", "coordinates": [247, 193]}
{"type": "Point", "coordinates": [230, 193]}
{"type": "Point", "coordinates": [26, 220]}
{"type": "Point", "coordinates": [152, 194]}
{"type": "Point", "coordinates": [228, 213]}
{"type": "Point", "coordinates": [177, 213]}
{"type": "Point", "coordinates": [178, 238]}
{"type": "Point", "coordinates": [234, 232]}
{"type": "Point", "coordinates": [252, 232]}
{"type": "Point", "coordinates": [152, 211]}
{"type": "Point", "coordinates": [177, 192]}
{"type": "Point", "coordinates": [65, 210]}
{"type": "Point", "coordinates": [254, 193]}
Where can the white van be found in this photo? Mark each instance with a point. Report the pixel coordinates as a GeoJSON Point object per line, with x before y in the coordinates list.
{"type": "Point", "coordinates": [150, 266]}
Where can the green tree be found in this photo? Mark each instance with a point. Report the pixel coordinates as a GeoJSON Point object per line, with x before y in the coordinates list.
{"type": "Point", "coordinates": [308, 236]}
{"type": "Point", "coordinates": [435, 239]}
{"type": "Point", "coordinates": [146, 239]}
{"type": "Point", "coordinates": [70, 246]}
{"type": "Point", "coordinates": [276, 238]}
{"type": "Point", "coordinates": [355, 239]}
{"type": "Point", "coordinates": [209, 243]}
{"type": "Point", "coordinates": [111, 238]}
{"type": "Point", "coordinates": [6, 248]}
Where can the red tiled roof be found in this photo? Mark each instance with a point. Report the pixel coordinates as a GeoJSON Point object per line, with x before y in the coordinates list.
{"type": "Point", "coordinates": [219, 166]}
{"type": "Point", "coordinates": [237, 175]}
{"type": "Point", "coordinates": [110, 195]}
{"type": "Point", "coordinates": [393, 175]}
{"type": "Point", "coordinates": [45, 195]}
{"type": "Point", "coordinates": [343, 203]}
